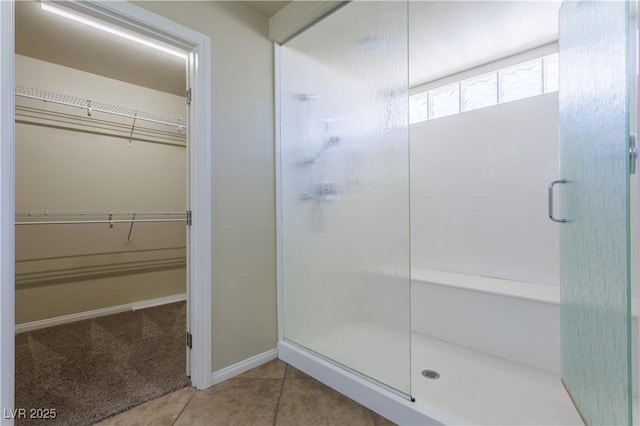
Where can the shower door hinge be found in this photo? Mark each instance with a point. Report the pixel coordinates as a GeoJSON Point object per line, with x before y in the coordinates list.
{"type": "Point", "coordinates": [189, 340]}
{"type": "Point", "coordinates": [633, 153]}
{"type": "Point", "coordinates": [189, 217]}
{"type": "Point", "coordinates": [189, 96]}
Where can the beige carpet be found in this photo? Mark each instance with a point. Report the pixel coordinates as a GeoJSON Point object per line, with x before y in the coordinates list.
{"type": "Point", "coordinates": [93, 369]}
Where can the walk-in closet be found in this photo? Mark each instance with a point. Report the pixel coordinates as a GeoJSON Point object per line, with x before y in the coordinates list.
{"type": "Point", "coordinates": [101, 219]}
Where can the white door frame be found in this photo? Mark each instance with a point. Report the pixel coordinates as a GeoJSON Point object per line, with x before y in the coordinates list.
{"type": "Point", "coordinates": [7, 217]}
{"type": "Point", "coordinates": [200, 160]}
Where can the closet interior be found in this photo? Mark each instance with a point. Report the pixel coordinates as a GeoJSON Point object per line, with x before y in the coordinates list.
{"type": "Point", "coordinates": [101, 218]}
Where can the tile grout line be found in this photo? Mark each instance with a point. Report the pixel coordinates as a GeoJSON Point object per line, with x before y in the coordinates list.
{"type": "Point", "coordinates": [284, 376]}
{"type": "Point", "coordinates": [184, 407]}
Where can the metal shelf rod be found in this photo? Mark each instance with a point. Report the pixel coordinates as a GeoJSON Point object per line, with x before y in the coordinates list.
{"type": "Point", "coordinates": [72, 222]}
{"type": "Point", "coordinates": [83, 214]}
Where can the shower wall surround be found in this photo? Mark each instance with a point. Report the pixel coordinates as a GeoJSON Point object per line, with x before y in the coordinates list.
{"type": "Point", "coordinates": [478, 197]}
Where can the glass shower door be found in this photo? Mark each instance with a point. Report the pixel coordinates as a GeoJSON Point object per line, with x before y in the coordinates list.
{"type": "Point", "coordinates": [595, 276]}
{"type": "Point", "coordinates": [345, 190]}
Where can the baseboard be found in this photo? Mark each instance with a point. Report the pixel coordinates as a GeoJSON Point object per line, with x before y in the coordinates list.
{"type": "Point", "coordinates": [144, 304]}
{"type": "Point", "coordinates": [50, 322]}
{"type": "Point", "coordinates": [383, 401]}
{"type": "Point", "coordinates": [242, 366]}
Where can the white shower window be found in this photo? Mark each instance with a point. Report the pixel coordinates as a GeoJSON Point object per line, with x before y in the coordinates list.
{"type": "Point", "coordinates": [444, 101]}
{"type": "Point", "coordinates": [419, 107]}
{"type": "Point", "coordinates": [479, 92]}
{"type": "Point", "coordinates": [550, 73]}
{"type": "Point", "coordinates": [520, 81]}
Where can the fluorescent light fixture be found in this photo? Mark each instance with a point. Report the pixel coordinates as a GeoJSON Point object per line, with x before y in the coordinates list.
{"type": "Point", "coordinates": [107, 28]}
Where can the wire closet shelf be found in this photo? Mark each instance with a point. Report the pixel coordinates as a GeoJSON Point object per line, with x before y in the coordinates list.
{"type": "Point", "coordinates": [111, 218]}
{"type": "Point", "coordinates": [81, 218]}
{"type": "Point", "coordinates": [96, 106]}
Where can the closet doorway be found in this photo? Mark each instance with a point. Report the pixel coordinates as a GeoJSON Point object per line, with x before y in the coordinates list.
{"type": "Point", "coordinates": [91, 139]}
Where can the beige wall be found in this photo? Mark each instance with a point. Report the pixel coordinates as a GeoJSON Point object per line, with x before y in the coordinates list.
{"type": "Point", "coordinates": [66, 161]}
{"type": "Point", "coordinates": [244, 242]}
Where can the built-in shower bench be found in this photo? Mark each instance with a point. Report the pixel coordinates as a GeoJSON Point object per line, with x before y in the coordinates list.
{"type": "Point", "coordinates": [513, 320]}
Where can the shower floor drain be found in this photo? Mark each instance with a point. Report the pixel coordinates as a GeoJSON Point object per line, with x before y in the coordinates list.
{"type": "Point", "coordinates": [430, 374]}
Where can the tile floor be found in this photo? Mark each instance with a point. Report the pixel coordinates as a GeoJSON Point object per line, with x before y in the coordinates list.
{"type": "Point", "coordinates": [272, 394]}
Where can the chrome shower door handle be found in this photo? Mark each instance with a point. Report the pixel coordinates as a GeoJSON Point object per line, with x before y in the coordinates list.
{"type": "Point", "coordinates": [551, 185]}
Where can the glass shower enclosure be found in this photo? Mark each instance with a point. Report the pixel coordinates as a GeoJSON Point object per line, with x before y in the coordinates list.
{"type": "Point", "coordinates": [344, 189]}
{"type": "Point", "coordinates": [595, 239]}
{"type": "Point", "coordinates": [344, 232]}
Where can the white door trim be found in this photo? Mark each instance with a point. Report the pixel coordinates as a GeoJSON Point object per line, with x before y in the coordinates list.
{"type": "Point", "coordinates": [7, 215]}
{"type": "Point", "coordinates": [279, 246]}
{"type": "Point", "coordinates": [200, 164]}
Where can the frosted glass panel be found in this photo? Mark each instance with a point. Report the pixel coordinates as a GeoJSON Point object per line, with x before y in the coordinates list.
{"type": "Point", "coordinates": [521, 81]}
{"type": "Point", "coordinates": [550, 66]}
{"type": "Point", "coordinates": [594, 267]}
{"type": "Point", "coordinates": [479, 92]}
{"type": "Point", "coordinates": [444, 101]}
{"type": "Point", "coordinates": [345, 190]}
{"type": "Point", "coordinates": [419, 107]}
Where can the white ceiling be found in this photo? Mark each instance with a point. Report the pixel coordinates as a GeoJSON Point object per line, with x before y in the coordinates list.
{"type": "Point", "coordinates": [445, 37]}
{"type": "Point", "coordinates": [55, 39]}
{"type": "Point", "coordinates": [52, 38]}
{"type": "Point", "coordinates": [267, 8]}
